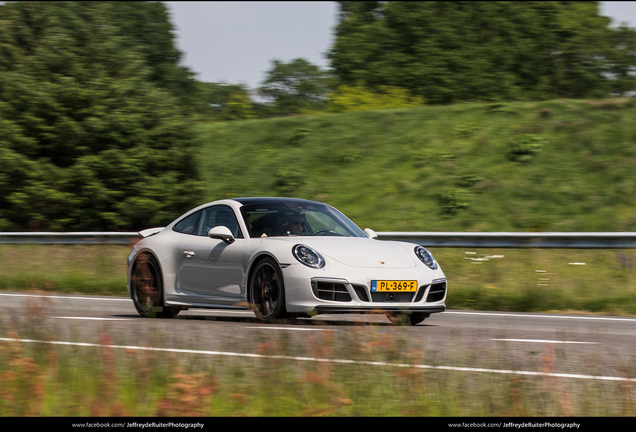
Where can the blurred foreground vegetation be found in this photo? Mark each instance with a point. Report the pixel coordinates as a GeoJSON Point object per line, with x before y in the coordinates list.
{"type": "Point", "coordinates": [384, 377]}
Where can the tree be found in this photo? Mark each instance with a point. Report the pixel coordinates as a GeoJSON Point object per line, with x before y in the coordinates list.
{"type": "Point", "coordinates": [622, 68]}
{"type": "Point", "coordinates": [295, 86]}
{"type": "Point", "coordinates": [453, 51]}
{"type": "Point", "coordinates": [145, 26]}
{"type": "Point", "coordinates": [230, 101]}
{"type": "Point", "coordinates": [87, 141]}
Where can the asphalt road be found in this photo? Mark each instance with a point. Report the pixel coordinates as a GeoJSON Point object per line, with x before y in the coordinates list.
{"type": "Point", "coordinates": [578, 347]}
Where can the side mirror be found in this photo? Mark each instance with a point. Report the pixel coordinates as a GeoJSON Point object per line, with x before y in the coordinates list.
{"type": "Point", "coordinates": [370, 233]}
{"type": "Point", "coordinates": [221, 233]}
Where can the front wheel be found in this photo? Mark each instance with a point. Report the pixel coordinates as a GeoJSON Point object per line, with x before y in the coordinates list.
{"type": "Point", "coordinates": [400, 318]}
{"type": "Point", "coordinates": [267, 291]}
{"type": "Point", "coordinates": [147, 289]}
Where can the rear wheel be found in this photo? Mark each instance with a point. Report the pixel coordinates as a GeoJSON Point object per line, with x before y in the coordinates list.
{"type": "Point", "coordinates": [267, 291]}
{"type": "Point", "coordinates": [147, 289]}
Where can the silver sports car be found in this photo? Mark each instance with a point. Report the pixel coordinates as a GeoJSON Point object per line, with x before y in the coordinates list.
{"type": "Point", "coordinates": [280, 257]}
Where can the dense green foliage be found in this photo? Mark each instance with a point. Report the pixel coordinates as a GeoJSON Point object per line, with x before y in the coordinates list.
{"type": "Point", "coordinates": [145, 25]}
{"type": "Point", "coordinates": [484, 50]}
{"type": "Point", "coordinates": [87, 140]}
{"type": "Point", "coordinates": [230, 101]}
{"type": "Point", "coordinates": [295, 86]}
{"type": "Point", "coordinates": [563, 165]}
{"type": "Point", "coordinates": [97, 116]}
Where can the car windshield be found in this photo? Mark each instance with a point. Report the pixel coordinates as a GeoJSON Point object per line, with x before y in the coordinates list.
{"type": "Point", "coordinates": [289, 218]}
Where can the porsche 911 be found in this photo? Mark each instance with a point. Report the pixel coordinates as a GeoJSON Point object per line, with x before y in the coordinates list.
{"type": "Point", "coordinates": [280, 257]}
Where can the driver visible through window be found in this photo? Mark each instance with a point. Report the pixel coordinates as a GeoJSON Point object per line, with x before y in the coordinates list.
{"type": "Point", "coordinates": [296, 225]}
{"type": "Point", "coordinates": [293, 219]}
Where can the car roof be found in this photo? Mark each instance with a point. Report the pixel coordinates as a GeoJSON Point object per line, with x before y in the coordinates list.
{"type": "Point", "coordinates": [270, 200]}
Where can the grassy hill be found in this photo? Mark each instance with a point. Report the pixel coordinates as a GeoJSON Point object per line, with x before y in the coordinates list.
{"type": "Point", "coordinates": [564, 165]}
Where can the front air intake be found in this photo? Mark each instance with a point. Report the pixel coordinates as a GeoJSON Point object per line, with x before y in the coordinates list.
{"type": "Point", "coordinates": [437, 292]}
{"type": "Point", "coordinates": [330, 291]}
{"type": "Point", "coordinates": [361, 292]}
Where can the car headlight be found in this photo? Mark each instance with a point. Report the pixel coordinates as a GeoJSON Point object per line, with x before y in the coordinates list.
{"type": "Point", "coordinates": [308, 256]}
{"type": "Point", "coordinates": [426, 257]}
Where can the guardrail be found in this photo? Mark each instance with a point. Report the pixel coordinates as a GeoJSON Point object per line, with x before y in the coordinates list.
{"type": "Point", "coordinates": [556, 240]}
{"type": "Point", "coordinates": [100, 238]}
{"type": "Point", "coordinates": [582, 240]}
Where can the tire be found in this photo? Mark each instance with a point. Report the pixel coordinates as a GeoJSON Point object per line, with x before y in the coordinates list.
{"type": "Point", "coordinates": [267, 291]}
{"type": "Point", "coordinates": [399, 318]}
{"type": "Point", "coordinates": [418, 317]}
{"type": "Point", "coordinates": [146, 287]}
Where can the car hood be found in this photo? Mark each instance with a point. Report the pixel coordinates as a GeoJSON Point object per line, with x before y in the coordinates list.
{"type": "Point", "coordinates": [359, 252]}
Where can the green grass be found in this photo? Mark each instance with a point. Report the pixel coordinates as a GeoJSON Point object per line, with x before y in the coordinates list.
{"type": "Point", "coordinates": [522, 280]}
{"type": "Point", "coordinates": [441, 168]}
{"type": "Point", "coordinates": [541, 280]}
{"type": "Point", "coordinates": [94, 269]}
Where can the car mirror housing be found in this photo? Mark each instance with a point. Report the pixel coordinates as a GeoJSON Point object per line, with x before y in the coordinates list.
{"type": "Point", "coordinates": [370, 233]}
{"type": "Point", "coordinates": [221, 233]}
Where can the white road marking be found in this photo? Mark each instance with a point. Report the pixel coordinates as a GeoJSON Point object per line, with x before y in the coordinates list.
{"type": "Point", "coordinates": [543, 341]}
{"type": "Point", "coordinates": [95, 318]}
{"type": "Point", "coordinates": [496, 314]}
{"type": "Point", "coordinates": [291, 328]}
{"type": "Point", "coordinates": [66, 297]}
{"type": "Point", "coordinates": [326, 360]}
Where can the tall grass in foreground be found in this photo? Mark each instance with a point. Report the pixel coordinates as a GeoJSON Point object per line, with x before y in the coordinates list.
{"type": "Point", "coordinates": [47, 380]}
{"type": "Point", "coordinates": [522, 280]}
{"type": "Point", "coordinates": [43, 379]}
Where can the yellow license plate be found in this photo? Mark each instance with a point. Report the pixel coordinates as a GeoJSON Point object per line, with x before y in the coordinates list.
{"type": "Point", "coordinates": [384, 286]}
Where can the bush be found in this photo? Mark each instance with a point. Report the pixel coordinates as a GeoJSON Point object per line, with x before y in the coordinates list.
{"type": "Point", "coordinates": [524, 148]}
{"type": "Point", "coordinates": [288, 180]}
{"type": "Point", "coordinates": [359, 98]}
{"type": "Point", "coordinates": [454, 199]}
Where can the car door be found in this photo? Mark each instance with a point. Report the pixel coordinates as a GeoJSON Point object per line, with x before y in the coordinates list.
{"type": "Point", "coordinates": [210, 269]}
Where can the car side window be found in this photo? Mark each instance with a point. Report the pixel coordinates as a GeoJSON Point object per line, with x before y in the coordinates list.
{"type": "Point", "coordinates": [219, 216]}
{"type": "Point", "coordinates": [189, 225]}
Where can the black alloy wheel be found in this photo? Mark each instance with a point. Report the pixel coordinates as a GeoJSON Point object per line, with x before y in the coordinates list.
{"type": "Point", "coordinates": [267, 291]}
{"type": "Point", "coordinates": [147, 289]}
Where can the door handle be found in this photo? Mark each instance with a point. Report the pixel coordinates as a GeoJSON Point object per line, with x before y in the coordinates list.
{"type": "Point", "coordinates": [188, 253]}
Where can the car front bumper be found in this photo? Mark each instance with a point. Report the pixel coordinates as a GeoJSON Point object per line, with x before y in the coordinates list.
{"type": "Point", "coordinates": [317, 292]}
